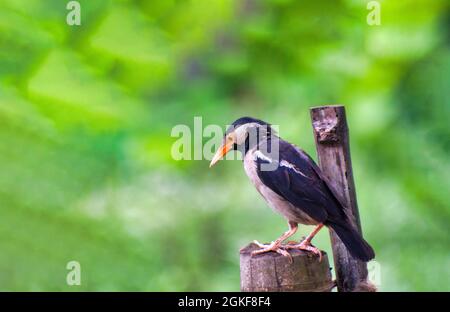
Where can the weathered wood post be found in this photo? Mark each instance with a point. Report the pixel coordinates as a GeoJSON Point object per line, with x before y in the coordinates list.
{"type": "Point", "coordinates": [333, 150]}
{"type": "Point", "coordinates": [273, 272]}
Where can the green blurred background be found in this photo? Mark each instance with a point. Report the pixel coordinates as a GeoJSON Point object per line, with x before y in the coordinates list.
{"type": "Point", "coordinates": [86, 113]}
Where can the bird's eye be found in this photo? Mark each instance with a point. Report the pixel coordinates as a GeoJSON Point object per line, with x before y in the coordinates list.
{"type": "Point", "coordinates": [229, 139]}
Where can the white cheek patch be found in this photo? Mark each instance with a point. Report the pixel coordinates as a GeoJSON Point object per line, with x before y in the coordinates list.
{"type": "Point", "coordinates": [241, 132]}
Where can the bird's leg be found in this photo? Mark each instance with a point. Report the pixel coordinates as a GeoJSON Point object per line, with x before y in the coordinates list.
{"type": "Point", "coordinates": [306, 243]}
{"type": "Point", "coordinates": [276, 245]}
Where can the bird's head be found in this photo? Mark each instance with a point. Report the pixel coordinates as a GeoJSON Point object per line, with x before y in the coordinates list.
{"type": "Point", "coordinates": [238, 136]}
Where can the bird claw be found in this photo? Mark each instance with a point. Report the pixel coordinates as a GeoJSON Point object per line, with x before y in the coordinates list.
{"type": "Point", "coordinates": [304, 245]}
{"type": "Point", "coordinates": [271, 247]}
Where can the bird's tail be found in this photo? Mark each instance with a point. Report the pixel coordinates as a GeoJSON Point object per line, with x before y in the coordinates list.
{"type": "Point", "coordinates": [354, 242]}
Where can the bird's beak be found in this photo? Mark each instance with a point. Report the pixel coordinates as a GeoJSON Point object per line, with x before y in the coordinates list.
{"type": "Point", "coordinates": [221, 152]}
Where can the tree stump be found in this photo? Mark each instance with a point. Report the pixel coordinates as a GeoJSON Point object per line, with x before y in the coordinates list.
{"type": "Point", "coordinates": [273, 272]}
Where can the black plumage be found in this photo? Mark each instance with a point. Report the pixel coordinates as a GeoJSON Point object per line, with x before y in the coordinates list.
{"type": "Point", "coordinates": [293, 186]}
{"type": "Point", "coordinates": [304, 186]}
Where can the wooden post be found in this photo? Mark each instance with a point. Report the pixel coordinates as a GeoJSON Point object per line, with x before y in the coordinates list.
{"type": "Point", "coordinates": [333, 150]}
{"type": "Point", "coordinates": [273, 272]}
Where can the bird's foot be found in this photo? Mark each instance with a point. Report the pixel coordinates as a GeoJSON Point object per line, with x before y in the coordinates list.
{"type": "Point", "coordinates": [275, 247]}
{"type": "Point", "coordinates": [305, 245]}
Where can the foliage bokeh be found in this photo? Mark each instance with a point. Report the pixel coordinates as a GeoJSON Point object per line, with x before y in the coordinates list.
{"type": "Point", "coordinates": [86, 114]}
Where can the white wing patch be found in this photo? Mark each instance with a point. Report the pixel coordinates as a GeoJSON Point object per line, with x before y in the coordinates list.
{"type": "Point", "coordinates": [258, 154]}
{"type": "Point", "coordinates": [286, 164]}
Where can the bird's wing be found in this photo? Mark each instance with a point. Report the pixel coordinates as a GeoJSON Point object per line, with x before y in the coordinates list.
{"type": "Point", "coordinates": [298, 179]}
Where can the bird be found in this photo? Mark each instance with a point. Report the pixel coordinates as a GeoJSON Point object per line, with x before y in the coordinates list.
{"type": "Point", "coordinates": [293, 185]}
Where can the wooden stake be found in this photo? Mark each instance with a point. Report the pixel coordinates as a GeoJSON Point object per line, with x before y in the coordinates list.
{"type": "Point", "coordinates": [273, 272]}
{"type": "Point", "coordinates": [333, 150]}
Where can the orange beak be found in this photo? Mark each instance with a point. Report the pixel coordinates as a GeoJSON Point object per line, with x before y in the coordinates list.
{"type": "Point", "coordinates": [221, 152]}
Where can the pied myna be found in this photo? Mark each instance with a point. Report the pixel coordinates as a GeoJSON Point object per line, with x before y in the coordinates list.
{"type": "Point", "coordinates": [292, 184]}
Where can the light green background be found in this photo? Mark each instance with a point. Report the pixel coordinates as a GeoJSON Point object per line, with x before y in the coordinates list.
{"type": "Point", "coordinates": [86, 113]}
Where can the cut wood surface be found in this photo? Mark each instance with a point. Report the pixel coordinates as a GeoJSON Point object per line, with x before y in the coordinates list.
{"type": "Point", "coordinates": [274, 272]}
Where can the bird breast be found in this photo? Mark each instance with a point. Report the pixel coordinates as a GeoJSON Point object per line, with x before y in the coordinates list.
{"type": "Point", "coordinates": [275, 201]}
